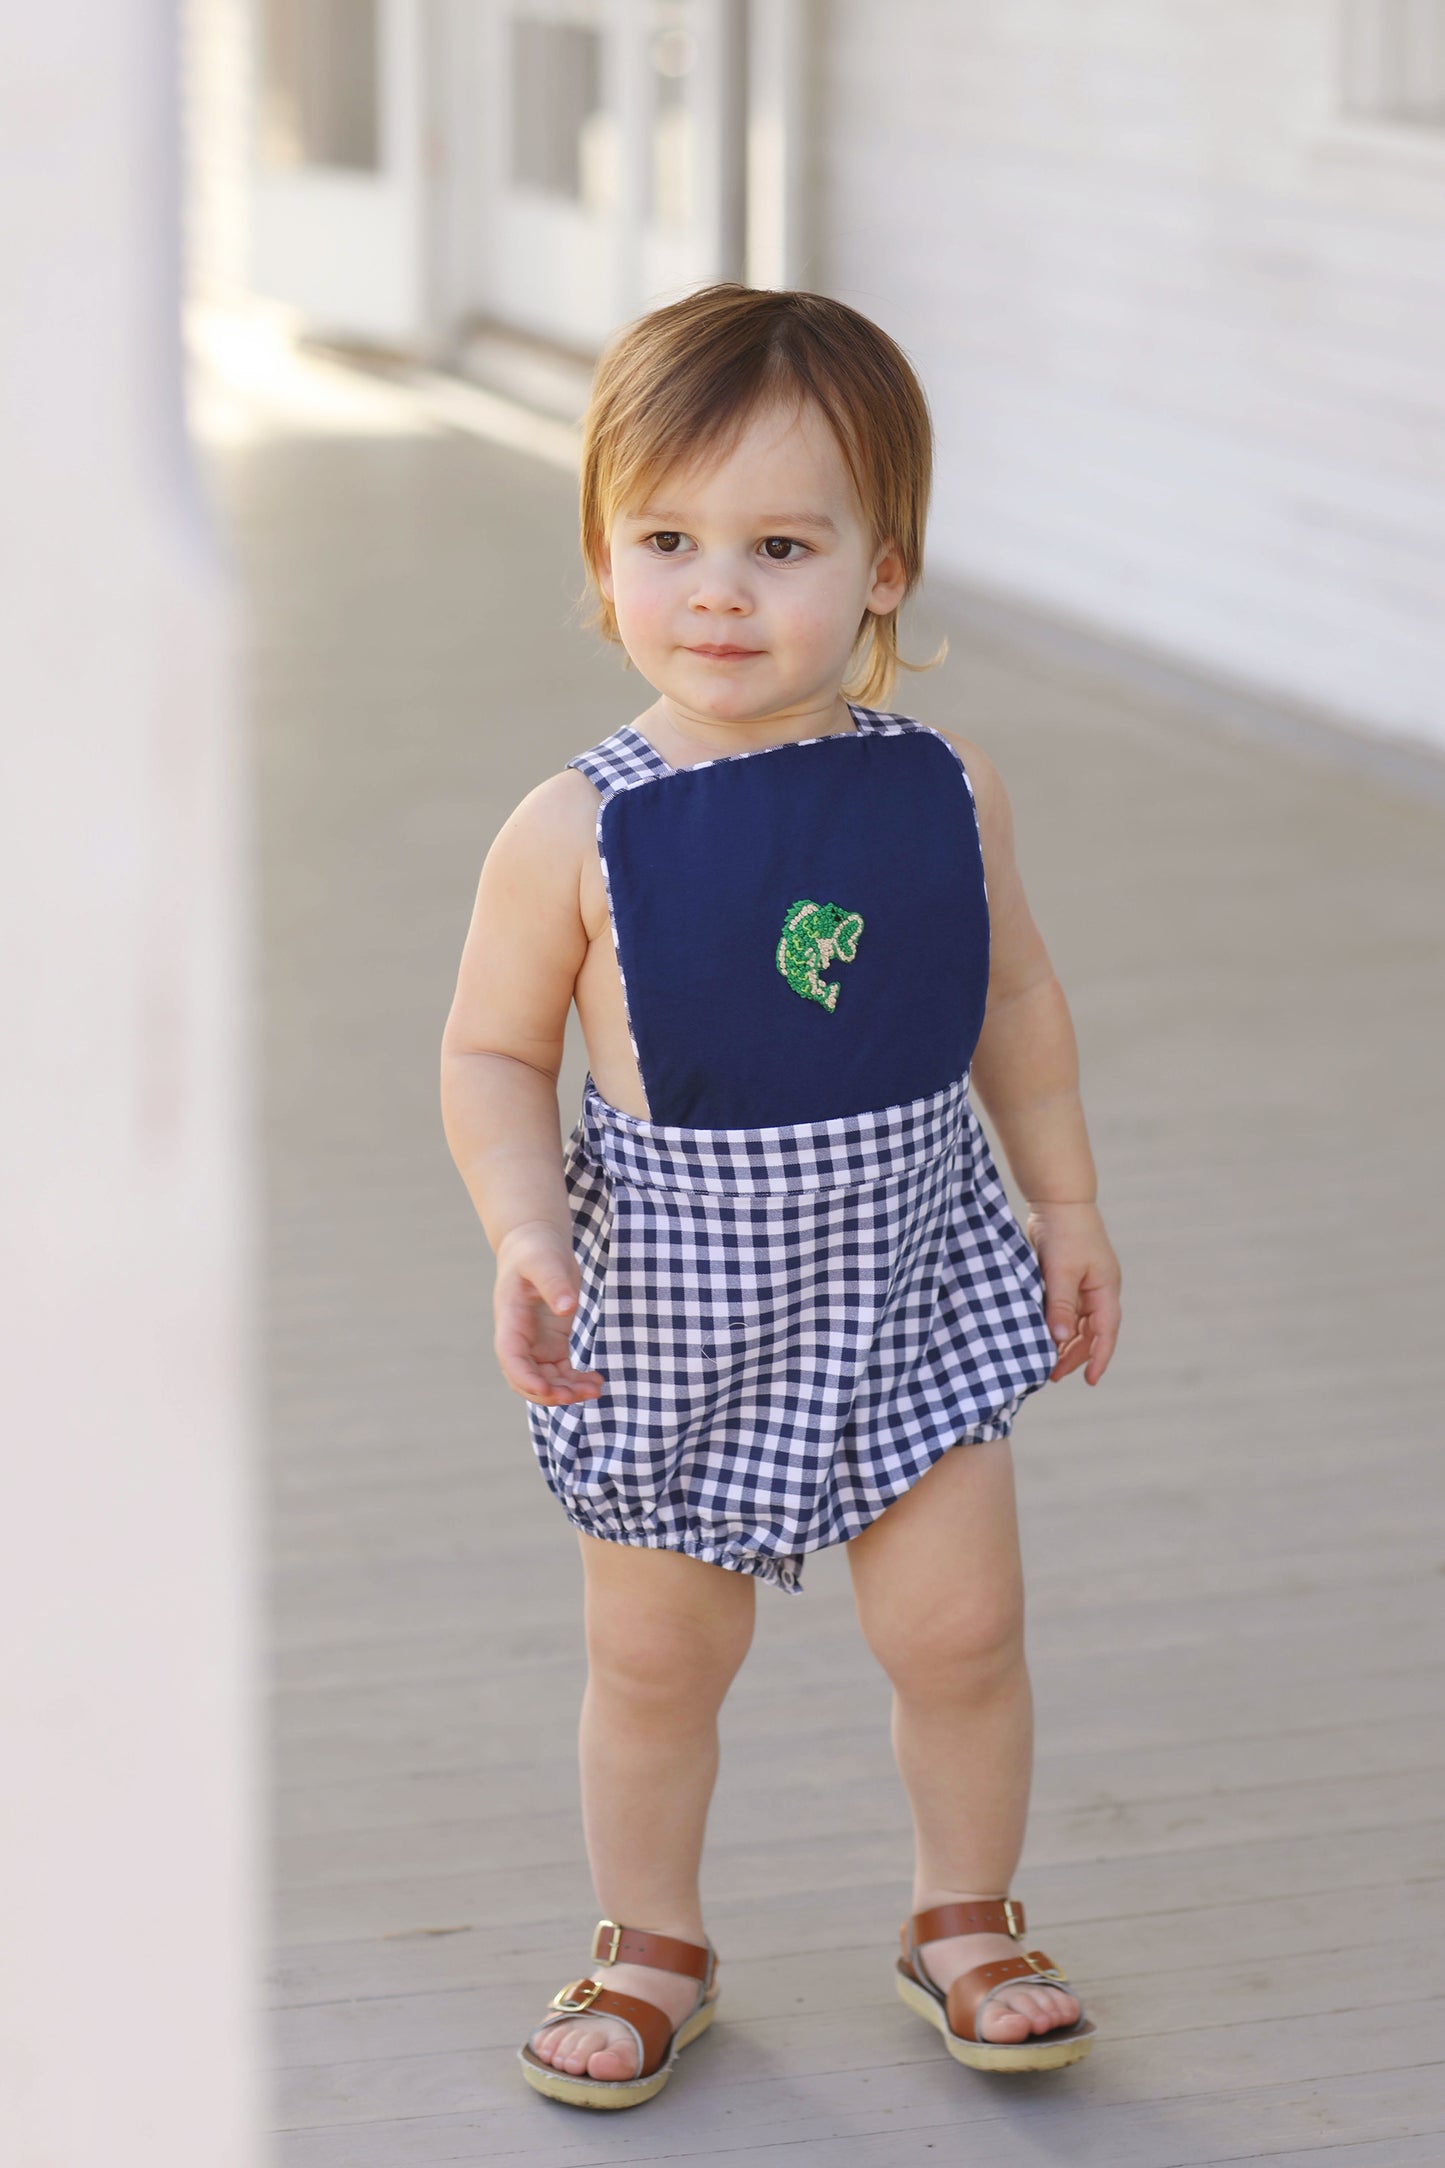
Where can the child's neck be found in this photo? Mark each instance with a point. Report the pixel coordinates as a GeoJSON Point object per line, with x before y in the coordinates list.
{"type": "Point", "coordinates": [682, 736]}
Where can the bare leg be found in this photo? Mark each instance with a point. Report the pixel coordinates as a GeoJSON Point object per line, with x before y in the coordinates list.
{"type": "Point", "coordinates": [666, 1636]}
{"type": "Point", "coordinates": [939, 1587]}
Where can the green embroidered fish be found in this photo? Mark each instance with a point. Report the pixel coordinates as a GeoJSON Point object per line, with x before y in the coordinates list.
{"type": "Point", "coordinates": [814, 936]}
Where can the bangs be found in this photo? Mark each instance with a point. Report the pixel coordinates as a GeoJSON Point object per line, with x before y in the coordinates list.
{"type": "Point", "coordinates": [702, 430]}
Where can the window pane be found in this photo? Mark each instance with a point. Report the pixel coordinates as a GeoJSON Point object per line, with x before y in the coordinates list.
{"type": "Point", "coordinates": [556, 72]}
{"type": "Point", "coordinates": [319, 84]}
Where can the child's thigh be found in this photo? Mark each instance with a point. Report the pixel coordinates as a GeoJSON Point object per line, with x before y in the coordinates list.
{"type": "Point", "coordinates": [657, 1613]}
{"type": "Point", "coordinates": [938, 1576]}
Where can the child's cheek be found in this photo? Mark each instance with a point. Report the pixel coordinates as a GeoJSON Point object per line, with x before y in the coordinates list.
{"type": "Point", "coordinates": [641, 605]}
{"type": "Point", "coordinates": [818, 624]}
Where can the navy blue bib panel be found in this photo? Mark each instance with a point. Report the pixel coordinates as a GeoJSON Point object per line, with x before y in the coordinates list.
{"type": "Point", "coordinates": [803, 931]}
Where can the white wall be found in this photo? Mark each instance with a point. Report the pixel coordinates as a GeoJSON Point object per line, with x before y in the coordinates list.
{"type": "Point", "coordinates": [1184, 340]}
{"type": "Point", "coordinates": [130, 1871]}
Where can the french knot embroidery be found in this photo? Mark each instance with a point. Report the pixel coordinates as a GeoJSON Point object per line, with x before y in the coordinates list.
{"type": "Point", "coordinates": [816, 935]}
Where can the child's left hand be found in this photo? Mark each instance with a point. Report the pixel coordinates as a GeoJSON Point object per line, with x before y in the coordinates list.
{"type": "Point", "coordinates": [1082, 1278]}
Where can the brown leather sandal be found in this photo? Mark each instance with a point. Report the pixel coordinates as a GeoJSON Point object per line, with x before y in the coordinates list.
{"type": "Point", "coordinates": [658, 2041]}
{"type": "Point", "coordinates": [956, 2013]}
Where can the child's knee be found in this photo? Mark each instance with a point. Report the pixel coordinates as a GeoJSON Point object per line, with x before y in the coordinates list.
{"type": "Point", "coordinates": [657, 1660]}
{"type": "Point", "coordinates": [680, 1644]}
{"type": "Point", "coordinates": [964, 1643]}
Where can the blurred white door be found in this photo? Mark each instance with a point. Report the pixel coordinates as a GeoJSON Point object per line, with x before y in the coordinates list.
{"type": "Point", "coordinates": [601, 161]}
{"type": "Point", "coordinates": [337, 188]}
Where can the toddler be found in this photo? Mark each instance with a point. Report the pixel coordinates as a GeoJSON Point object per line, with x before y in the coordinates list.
{"type": "Point", "coordinates": [771, 1295]}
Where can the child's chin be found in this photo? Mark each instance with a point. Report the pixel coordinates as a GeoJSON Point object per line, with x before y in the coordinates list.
{"type": "Point", "coordinates": [729, 697]}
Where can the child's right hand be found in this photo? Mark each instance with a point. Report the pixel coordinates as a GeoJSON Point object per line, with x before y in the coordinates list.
{"type": "Point", "coordinates": [536, 1295]}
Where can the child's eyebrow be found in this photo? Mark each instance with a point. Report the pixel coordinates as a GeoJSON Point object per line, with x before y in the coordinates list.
{"type": "Point", "coordinates": [769, 522]}
{"type": "Point", "coordinates": [820, 520]}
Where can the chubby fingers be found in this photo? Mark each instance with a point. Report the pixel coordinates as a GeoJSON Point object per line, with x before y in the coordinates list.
{"type": "Point", "coordinates": [1074, 1351]}
{"type": "Point", "coordinates": [1104, 1316]}
{"type": "Point", "coordinates": [532, 1351]}
{"type": "Point", "coordinates": [552, 1386]}
{"type": "Point", "coordinates": [1084, 1327]}
{"type": "Point", "coordinates": [1061, 1313]}
{"type": "Point", "coordinates": [551, 1381]}
{"type": "Point", "coordinates": [1087, 1333]}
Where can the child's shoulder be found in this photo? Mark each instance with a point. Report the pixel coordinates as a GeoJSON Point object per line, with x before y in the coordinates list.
{"type": "Point", "coordinates": [551, 829]}
{"type": "Point", "coordinates": [559, 799]}
{"type": "Point", "coordinates": [560, 813]}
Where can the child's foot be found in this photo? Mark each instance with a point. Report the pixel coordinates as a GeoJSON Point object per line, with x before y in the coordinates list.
{"type": "Point", "coordinates": [597, 2046]}
{"type": "Point", "coordinates": [1016, 2011]}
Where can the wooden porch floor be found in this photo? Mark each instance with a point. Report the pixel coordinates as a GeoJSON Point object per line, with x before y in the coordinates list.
{"type": "Point", "coordinates": [1235, 1546]}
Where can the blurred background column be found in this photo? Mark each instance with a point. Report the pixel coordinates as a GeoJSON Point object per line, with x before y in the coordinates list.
{"type": "Point", "coordinates": [131, 1883]}
{"type": "Point", "coordinates": [777, 137]}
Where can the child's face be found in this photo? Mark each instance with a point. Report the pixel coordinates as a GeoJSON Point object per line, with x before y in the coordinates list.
{"type": "Point", "coordinates": [740, 584]}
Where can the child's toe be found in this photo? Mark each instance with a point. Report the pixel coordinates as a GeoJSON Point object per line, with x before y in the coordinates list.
{"type": "Point", "coordinates": [558, 2046]}
{"type": "Point", "coordinates": [1002, 2021]}
{"type": "Point", "coordinates": [586, 2051]}
{"type": "Point", "coordinates": [577, 2049]}
{"type": "Point", "coordinates": [1051, 2007]}
{"type": "Point", "coordinates": [612, 2061]}
{"type": "Point", "coordinates": [1026, 2010]}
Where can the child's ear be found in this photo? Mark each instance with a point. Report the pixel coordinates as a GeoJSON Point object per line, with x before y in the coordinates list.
{"type": "Point", "coordinates": [604, 570]}
{"type": "Point", "coordinates": [890, 579]}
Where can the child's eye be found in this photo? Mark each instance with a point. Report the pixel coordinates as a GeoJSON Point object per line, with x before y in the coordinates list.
{"type": "Point", "coordinates": [667, 541]}
{"type": "Point", "coordinates": [777, 546]}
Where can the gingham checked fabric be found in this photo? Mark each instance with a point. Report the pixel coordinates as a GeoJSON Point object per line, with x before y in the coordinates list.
{"type": "Point", "coordinates": [793, 1323]}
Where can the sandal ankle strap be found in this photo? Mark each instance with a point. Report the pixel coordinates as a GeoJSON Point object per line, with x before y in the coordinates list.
{"type": "Point", "coordinates": [614, 1945]}
{"type": "Point", "coordinates": [976, 1916]}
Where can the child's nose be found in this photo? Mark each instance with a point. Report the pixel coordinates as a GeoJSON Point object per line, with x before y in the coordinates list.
{"type": "Point", "coordinates": [719, 588]}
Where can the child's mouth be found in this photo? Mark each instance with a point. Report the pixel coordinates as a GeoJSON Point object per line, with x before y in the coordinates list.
{"type": "Point", "coordinates": [725, 654]}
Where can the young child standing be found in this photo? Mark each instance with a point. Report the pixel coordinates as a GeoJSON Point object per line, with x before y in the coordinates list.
{"type": "Point", "coordinates": [774, 1280]}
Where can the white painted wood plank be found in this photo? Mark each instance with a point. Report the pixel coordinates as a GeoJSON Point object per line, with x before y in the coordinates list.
{"type": "Point", "coordinates": [771, 1990]}
{"type": "Point", "coordinates": [836, 2117]}
{"type": "Point", "coordinates": [834, 1805]}
{"type": "Point", "coordinates": [1420, 2152]}
{"type": "Point", "coordinates": [835, 1942]}
{"type": "Point", "coordinates": [884, 2071]}
{"type": "Point", "coordinates": [1053, 1884]}
{"type": "Point", "coordinates": [1062, 1778]}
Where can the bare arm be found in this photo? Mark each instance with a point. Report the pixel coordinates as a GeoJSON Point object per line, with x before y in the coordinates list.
{"type": "Point", "coordinates": [1026, 1074]}
{"type": "Point", "coordinates": [501, 1051]}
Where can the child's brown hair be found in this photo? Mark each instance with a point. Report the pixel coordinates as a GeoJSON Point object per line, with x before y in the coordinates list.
{"type": "Point", "coordinates": [685, 379]}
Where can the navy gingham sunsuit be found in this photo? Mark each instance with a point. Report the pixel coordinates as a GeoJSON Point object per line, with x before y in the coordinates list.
{"type": "Point", "coordinates": [801, 1278]}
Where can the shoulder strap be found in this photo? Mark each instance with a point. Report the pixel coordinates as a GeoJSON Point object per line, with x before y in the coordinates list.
{"type": "Point", "coordinates": [620, 762]}
{"type": "Point", "coordinates": [626, 758]}
{"type": "Point", "coordinates": [882, 722]}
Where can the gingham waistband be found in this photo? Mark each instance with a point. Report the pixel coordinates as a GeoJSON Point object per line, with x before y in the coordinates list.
{"type": "Point", "coordinates": [842, 1152]}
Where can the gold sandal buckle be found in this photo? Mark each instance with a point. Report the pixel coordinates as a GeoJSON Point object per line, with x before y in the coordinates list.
{"type": "Point", "coordinates": [1008, 1913]}
{"type": "Point", "coordinates": [610, 1957]}
{"type": "Point", "coordinates": [577, 1995]}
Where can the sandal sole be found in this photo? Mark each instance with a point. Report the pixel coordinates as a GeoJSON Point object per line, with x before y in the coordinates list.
{"type": "Point", "coordinates": [1038, 2054]}
{"type": "Point", "coordinates": [583, 2092]}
